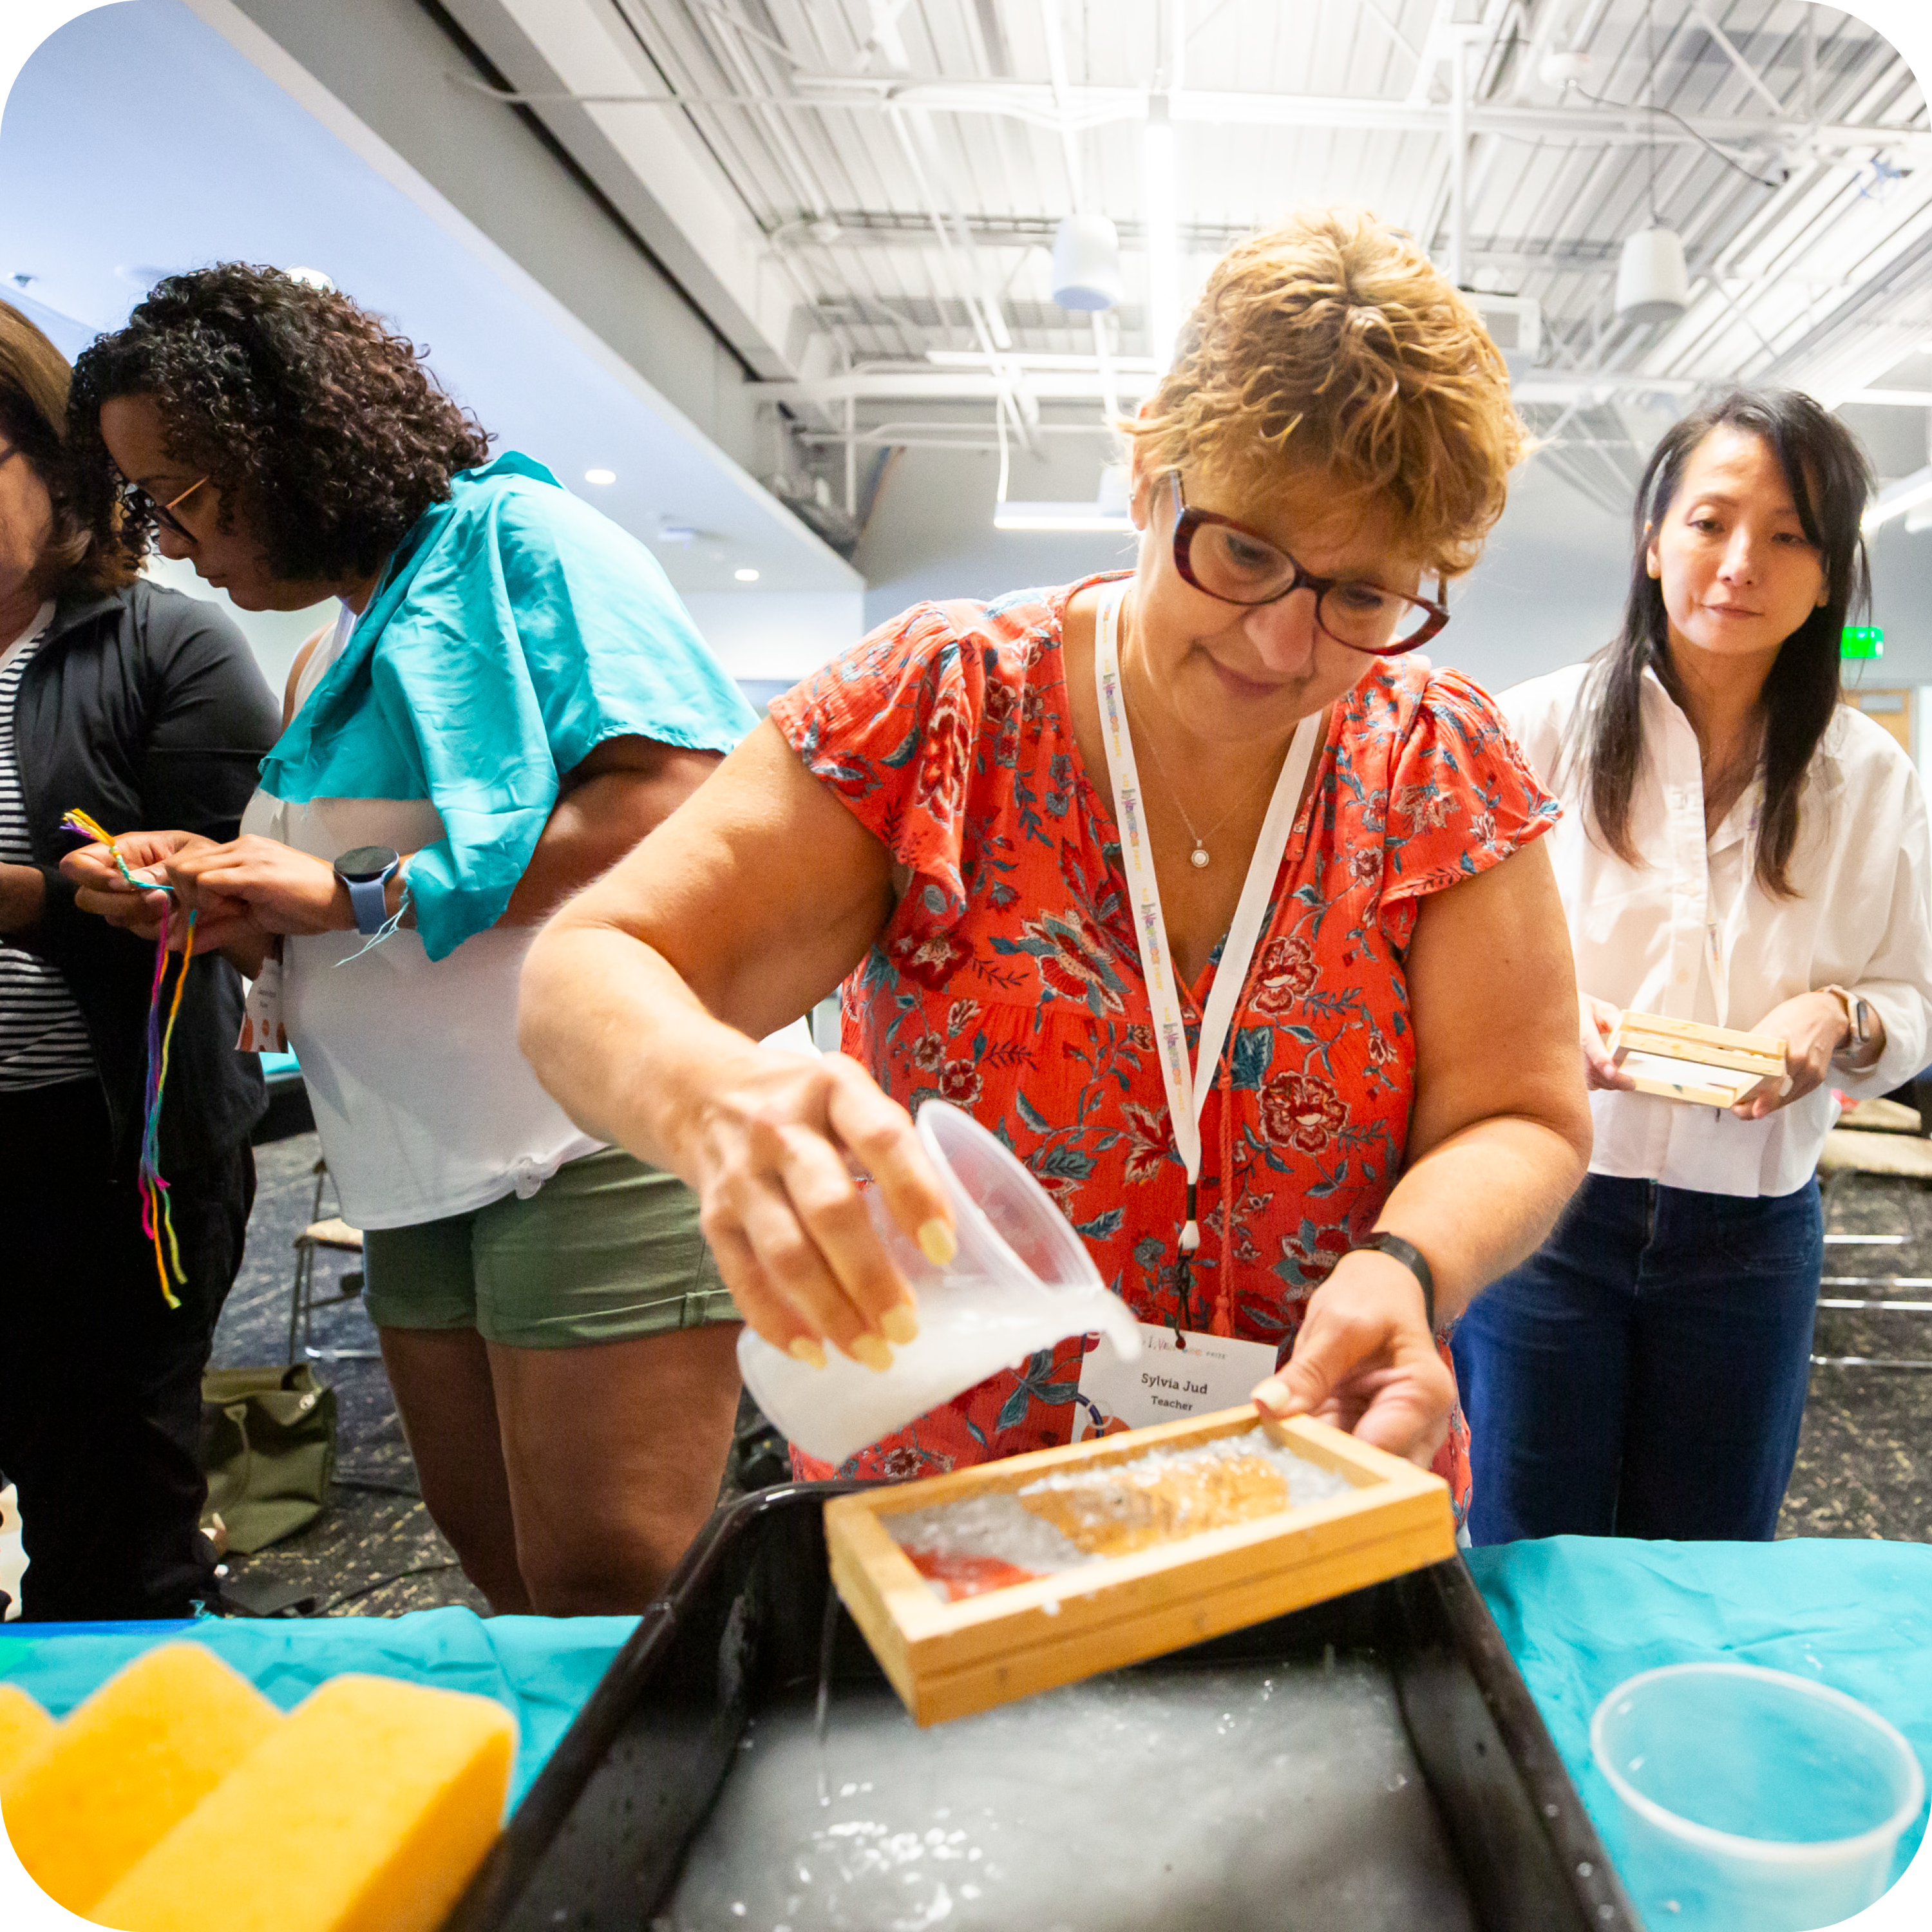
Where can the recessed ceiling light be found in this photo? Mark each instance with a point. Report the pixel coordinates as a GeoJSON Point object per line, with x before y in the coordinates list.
{"type": "Point", "coordinates": [600, 476]}
{"type": "Point", "coordinates": [747, 575]}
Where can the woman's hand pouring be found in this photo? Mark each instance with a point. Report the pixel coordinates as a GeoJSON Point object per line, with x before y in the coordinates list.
{"type": "Point", "coordinates": [774, 1148]}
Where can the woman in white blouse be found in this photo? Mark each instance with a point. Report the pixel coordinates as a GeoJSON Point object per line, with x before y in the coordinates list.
{"type": "Point", "coordinates": [1738, 848]}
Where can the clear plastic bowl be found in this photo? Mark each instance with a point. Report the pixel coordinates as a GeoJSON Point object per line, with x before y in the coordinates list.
{"type": "Point", "coordinates": [1022, 1280]}
{"type": "Point", "coordinates": [1753, 1800]}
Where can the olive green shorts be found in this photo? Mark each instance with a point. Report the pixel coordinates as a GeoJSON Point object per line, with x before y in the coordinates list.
{"type": "Point", "coordinates": [606, 1250]}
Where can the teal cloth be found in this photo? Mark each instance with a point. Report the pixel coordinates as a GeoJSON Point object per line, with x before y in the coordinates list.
{"type": "Point", "coordinates": [539, 1669]}
{"type": "Point", "coordinates": [516, 629]}
{"type": "Point", "coordinates": [1581, 1614]}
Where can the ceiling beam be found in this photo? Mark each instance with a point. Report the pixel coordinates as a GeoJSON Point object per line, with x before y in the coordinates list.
{"type": "Point", "coordinates": [1094, 107]}
{"type": "Point", "coordinates": [651, 168]}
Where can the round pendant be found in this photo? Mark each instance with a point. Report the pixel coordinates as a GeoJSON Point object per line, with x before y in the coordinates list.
{"type": "Point", "coordinates": [1198, 856]}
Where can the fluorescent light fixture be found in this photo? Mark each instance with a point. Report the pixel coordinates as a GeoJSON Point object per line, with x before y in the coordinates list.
{"type": "Point", "coordinates": [1897, 499]}
{"type": "Point", "coordinates": [746, 575]}
{"type": "Point", "coordinates": [1059, 516]}
{"type": "Point", "coordinates": [1163, 231]}
{"type": "Point", "coordinates": [600, 476]}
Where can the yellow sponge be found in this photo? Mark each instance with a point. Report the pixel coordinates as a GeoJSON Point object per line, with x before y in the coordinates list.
{"type": "Point", "coordinates": [24, 1727]}
{"type": "Point", "coordinates": [368, 1809]}
{"type": "Point", "coordinates": [127, 1765]}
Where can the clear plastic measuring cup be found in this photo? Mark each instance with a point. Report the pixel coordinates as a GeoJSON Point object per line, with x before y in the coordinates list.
{"type": "Point", "coordinates": [1753, 1801]}
{"type": "Point", "coordinates": [1022, 1281]}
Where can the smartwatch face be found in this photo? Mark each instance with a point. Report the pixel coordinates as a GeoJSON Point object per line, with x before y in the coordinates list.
{"type": "Point", "coordinates": [365, 863]}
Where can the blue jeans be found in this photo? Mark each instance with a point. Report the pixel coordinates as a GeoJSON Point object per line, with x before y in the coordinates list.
{"type": "Point", "coordinates": [1644, 1372]}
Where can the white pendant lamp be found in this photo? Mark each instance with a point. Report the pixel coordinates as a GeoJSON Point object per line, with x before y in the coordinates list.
{"type": "Point", "coordinates": [1653, 283]}
{"type": "Point", "coordinates": [1087, 263]}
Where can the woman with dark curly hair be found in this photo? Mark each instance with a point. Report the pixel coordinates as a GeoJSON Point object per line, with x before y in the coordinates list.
{"type": "Point", "coordinates": [139, 705]}
{"type": "Point", "coordinates": [511, 698]}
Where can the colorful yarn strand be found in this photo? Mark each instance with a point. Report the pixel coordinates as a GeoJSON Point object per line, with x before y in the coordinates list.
{"type": "Point", "coordinates": [157, 1217]}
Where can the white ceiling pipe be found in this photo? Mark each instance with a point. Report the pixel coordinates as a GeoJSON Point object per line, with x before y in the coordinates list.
{"type": "Point", "coordinates": [1049, 385]}
{"type": "Point", "coordinates": [1459, 158]}
{"type": "Point", "coordinates": [1163, 232]}
{"type": "Point", "coordinates": [1091, 106]}
{"type": "Point", "coordinates": [1900, 499]}
{"type": "Point", "coordinates": [1100, 107]}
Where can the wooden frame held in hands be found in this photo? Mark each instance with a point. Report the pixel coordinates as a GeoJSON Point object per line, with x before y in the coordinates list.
{"type": "Point", "coordinates": [946, 1660]}
{"type": "Point", "coordinates": [1684, 1059]}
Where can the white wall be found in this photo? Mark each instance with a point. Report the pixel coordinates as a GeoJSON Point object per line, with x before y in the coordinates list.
{"type": "Point", "coordinates": [931, 533]}
{"type": "Point", "coordinates": [1548, 590]}
{"type": "Point", "coordinates": [778, 635]}
{"type": "Point", "coordinates": [274, 636]}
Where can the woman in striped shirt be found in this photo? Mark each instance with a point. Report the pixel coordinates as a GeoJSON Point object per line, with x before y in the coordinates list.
{"type": "Point", "coordinates": [140, 706]}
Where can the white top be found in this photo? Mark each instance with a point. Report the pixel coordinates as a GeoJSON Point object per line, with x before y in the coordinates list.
{"type": "Point", "coordinates": [424, 1106]}
{"type": "Point", "coordinates": [1692, 935]}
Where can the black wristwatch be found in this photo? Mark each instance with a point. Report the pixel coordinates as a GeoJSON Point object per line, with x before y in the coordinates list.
{"type": "Point", "coordinates": [1411, 1257]}
{"type": "Point", "coordinates": [365, 871]}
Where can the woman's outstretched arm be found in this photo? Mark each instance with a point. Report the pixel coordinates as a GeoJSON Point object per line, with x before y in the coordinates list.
{"type": "Point", "coordinates": [643, 999]}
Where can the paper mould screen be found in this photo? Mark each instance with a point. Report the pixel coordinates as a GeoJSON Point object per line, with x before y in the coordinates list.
{"type": "Point", "coordinates": [1083, 1515]}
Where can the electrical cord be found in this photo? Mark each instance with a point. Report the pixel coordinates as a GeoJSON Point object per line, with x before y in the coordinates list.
{"type": "Point", "coordinates": [367, 1484]}
{"type": "Point", "coordinates": [1652, 107]}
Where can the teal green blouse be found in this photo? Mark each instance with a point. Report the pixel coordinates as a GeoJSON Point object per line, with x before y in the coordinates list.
{"type": "Point", "coordinates": [515, 629]}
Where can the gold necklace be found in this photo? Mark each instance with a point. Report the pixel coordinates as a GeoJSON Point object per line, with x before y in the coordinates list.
{"type": "Point", "coordinates": [1199, 857]}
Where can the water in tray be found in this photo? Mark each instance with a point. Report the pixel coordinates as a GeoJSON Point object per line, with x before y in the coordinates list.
{"type": "Point", "coordinates": [1212, 1797]}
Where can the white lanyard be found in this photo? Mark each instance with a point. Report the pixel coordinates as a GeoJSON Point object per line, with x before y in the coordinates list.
{"type": "Point", "coordinates": [1187, 1086]}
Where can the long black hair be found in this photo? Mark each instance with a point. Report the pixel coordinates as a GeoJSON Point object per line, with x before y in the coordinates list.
{"type": "Point", "coordinates": [1830, 482]}
{"type": "Point", "coordinates": [309, 411]}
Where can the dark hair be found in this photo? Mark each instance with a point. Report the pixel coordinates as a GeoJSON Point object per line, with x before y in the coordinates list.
{"type": "Point", "coordinates": [34, 379]}
{"type": "Point", "coordinates": [304, 410]}
{"type": "Point", "coordinates": [1830, 482]}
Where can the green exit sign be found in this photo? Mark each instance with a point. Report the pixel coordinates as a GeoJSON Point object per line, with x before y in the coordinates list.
{"type": "Point", "coordinates": [1864, 641]}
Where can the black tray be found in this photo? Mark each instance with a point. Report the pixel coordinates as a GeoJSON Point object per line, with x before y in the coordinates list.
{"type": "Point", "coordinates": [596, 1843]}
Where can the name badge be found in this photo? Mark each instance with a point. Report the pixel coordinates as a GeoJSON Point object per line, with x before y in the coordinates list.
{"type": "Point", "coordinates": [262, 1028]}
{"type": "Point", "coordinates": [1167, 1384]}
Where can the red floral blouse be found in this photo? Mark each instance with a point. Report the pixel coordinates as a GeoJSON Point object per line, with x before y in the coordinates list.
{"type": "Point", "coordinates": [1007, 980]}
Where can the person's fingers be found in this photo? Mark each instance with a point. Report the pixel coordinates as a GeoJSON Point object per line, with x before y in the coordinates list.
{"type": "Point", "coordinates": [1363, 1368]}
{"type": "Point", "coordinates": [879, 1132]}
{"type": "Point", "coordinates": [93, 867]}
{"type": "Point", "coordinates": [791, 1262]}
{"type": "Point", "coordinates": [137, 913]}
{"type": "Point", "coordinates": [1334, 1340]}
{"type": "Point", "coordinates": [832, 1210]}
{"type": "Point", "coordinates": [762, 1306]}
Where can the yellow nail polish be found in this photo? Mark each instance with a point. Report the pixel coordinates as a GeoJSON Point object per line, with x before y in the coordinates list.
{"type": "Point", "coordinates": [900, 1324]}
{"type": "Point", "coordinates": [805, 1350]}
{"type": "Point", "coordinates": [936, 1242]}
{"type": "Point", "coordinates": [872, 1351]}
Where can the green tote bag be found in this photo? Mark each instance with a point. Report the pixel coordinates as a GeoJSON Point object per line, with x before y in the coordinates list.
{"type": "Point", "coordinates": [268, 1445]}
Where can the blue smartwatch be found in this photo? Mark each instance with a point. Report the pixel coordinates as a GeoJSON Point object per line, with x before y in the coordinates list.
{"type": "Point", "coordinates": [365, 871]}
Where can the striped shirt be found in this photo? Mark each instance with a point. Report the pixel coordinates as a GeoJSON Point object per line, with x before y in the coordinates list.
{"type": "Point", "coordinates": [42, 1038]}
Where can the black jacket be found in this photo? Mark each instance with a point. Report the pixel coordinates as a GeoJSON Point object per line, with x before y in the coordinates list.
{"type": "Point", "coordinates": [144, 707]}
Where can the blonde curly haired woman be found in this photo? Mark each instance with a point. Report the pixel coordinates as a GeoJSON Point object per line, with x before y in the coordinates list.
{"type": "Point", "coordinates": [1389, 1111]}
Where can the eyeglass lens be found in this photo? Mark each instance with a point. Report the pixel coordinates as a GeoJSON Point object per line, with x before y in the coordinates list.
{"type": "Point", "coordinates": [141, 502]}
{"type": "Point", "coordinates": [1230, 564]}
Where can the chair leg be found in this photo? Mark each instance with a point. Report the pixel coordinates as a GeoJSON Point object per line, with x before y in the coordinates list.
{"type": "Point", "coordinates": [298, 1300]}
